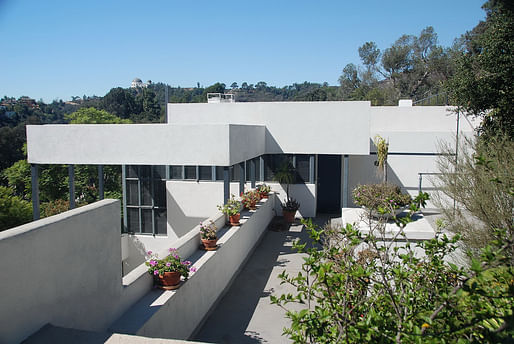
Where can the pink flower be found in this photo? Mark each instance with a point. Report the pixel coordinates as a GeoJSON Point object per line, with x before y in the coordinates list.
{"type": "Point", "coordinates": [186, 262]}
{"type": "Point", "coordinates": [156, 272]}
{"type": "Point", "coordinates": [192, 269]}
{"type": "Point", "coordinates": [172, 249]}
{"type": "Point", "coordinates": [153, 262]}
{"type": "Point", "coordinates": [168, 264]}
{"type": "Point", "coordinates": [149, 252]}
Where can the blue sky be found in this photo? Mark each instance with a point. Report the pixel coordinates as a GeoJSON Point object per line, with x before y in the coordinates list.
{"type": "Point", "coordinates": [57, 49]}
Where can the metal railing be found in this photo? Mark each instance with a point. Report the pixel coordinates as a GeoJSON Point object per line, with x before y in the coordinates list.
{"type": "Point", "coordinates": [433, 100]}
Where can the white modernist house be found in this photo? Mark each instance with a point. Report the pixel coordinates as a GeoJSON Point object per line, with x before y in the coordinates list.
{"type": "Point", "coordinates": [174, 174]}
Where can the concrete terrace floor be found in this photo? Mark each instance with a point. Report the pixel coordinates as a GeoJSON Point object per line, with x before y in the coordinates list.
{"type": "Point", "coordinates": [245, 314]}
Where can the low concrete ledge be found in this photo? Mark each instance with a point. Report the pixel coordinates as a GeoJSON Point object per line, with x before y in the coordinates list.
{"type": "Point", "coordinates": [176, 314]}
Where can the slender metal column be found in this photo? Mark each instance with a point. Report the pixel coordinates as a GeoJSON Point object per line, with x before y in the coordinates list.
{"type": "Point", "coordinates": [35, 191]}
{"type": "Point", "coordinates": [71, 182]}
{"type": "Point", "coordinates": [345, 181]}
{"type": "Point", "coordinates": [101, 182]}
{"type": "Point", "coordinates": [226, 184]}
{"type": "Point", "coordinates": [124, 193]}
{"type": "Point", "coordinates": [213, 173]}
{"type": "Point", "coordinates": [252, 172]}
{"type": "Point", "coordinates": [312, 168]}
{"type": "Point", "coordinates": [242, 178]}
{"type": "Point", "coordinates": [261, 168]}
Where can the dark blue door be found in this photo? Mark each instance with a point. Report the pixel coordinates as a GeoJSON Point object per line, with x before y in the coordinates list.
{"type": "Point", "coordinates": [329, 184]}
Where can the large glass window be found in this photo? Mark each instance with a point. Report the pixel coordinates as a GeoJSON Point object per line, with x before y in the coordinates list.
{"type": "Point", "coordinates": [302, 167]}
{"type": "Point", "coordinates": [205, 172]}
{"type": "Point", "coordinates": [146, 199]}
{"type": "Point", "coordinates": [300, 162]}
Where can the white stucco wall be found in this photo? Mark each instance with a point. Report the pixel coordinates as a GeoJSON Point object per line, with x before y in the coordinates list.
{"type": "Point", "coordinates": [64, 270]}
{"type": "Point", "coordinates": [292, 127]}
{"type": "Point", "coordinates": [417, 129]}
{"type": "Point", "coordinates": [149, 144]}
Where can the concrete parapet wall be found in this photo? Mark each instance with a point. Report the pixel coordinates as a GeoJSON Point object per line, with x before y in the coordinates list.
{"type": "Point", "coordinates": [64, 270]}
{"type": "Point", "coordinates": [176, 314]}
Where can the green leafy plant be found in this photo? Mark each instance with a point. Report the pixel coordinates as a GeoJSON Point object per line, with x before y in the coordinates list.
{"type": "Point", "coordinates": [364, 288]}
{"type": "Point", "coordinates": [171, 263]}
{"type": "Point", "coordinates": [382, 151]}
{"type": "Point", "coordinates": [233, 207]}
{"type": "Point", "coordinates": [290, 205]}
{"type": "Point", "coordinates": [382, 198]}
{"type": "Point", "coordinates": [208, 230]}
{"type": "Point", "coordinates": [250, 198]}
{"type": "Point", "coordinates": [263, 188]}
{"type": "Point", "coordinates": [14, 211]}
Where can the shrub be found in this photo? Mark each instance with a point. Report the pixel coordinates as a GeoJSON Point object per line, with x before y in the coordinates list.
{"type": "Point", "coordinates": [13, 210]}
{"type": "Point", "coordinates": [380, 197]}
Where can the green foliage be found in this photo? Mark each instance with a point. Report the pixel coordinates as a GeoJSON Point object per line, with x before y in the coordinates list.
{"type": "Point", "coordinates": [380, 197]}
{"type": "Point", "coordinates": [171, 263]}
{"type": "Point", "coordinates": [14, 211]}
{"type": "Point", "coordinates": [233, 207]}
{"type": "Point", "coordinates": [481, 181]}
{"type": "Point", "coordinates": [412, 67]}
{"type": "Point", "coordinates": [208, 230]}
{"type": "Point", "coordinates": [484, 75]}
{"type": "Point", "coordinates": [361, 288]}
{"type": "Point", "coordinates": [54, 207]}
{"type": "Point", "coordinates": [11, 143]}
{"type": "Point", "coordinates": [94, 116]}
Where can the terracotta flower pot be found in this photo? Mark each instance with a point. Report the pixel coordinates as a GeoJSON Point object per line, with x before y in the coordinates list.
{"type": "Point", "coordinates": [170, 280]}
{"type": "Point", "coordinates": [234, 219]}
{"type": "Point", "coordinates": [210, 244]}
{"type": "Point", "coordinates": [289, 215]}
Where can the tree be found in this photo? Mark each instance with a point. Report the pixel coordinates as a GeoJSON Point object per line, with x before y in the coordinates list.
{"type": "Point", "coordinates": [234, 85]}
{"type": "Point", "coordinates": [349, 81]}
{"type": "Point", "coordinates": [94, 116]}
{"type": "Point", "coordinates": [483, 84]}
{"type": "Point", "coordinates": [13, 210]}
{"type": "Point", "coordinates": [413, 67]}
{"type": "Point", "coordinates": [120, 102]}
{"type": "Point", "coordinates": [150, 110]}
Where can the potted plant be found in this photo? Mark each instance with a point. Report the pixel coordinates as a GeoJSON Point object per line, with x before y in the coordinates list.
{"type": "Point", "coordinates": [289, 208]}
{"type": "Point", "coordinates": [286, 175]}
{"type": "Point", "coordinates": [264, 190]}
{"type": "Point", "coordinates": [168, 270]}
{"type": "Point", "coordinates": [232, 210]}
{"type": "Point", "coordinates": [382, 200]}
{"type": "Point", "coordinates": [208, 235]}
{"type": "Point", "coordinates": [382, 151]}
{"type": "Point", "coordinates": [250, 198]}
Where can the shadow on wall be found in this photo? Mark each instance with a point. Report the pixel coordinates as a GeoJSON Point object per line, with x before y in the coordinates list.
{"type": "Point", "coordinates": [134, 251]}
{"type": "Point", "coordinates": [272, 146]}
{"type": "Point", "coordinates": [178, 221]}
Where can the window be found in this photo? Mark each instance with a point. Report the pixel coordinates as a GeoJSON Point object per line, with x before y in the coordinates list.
{"type": "Point", "coordinates": [302, 168]}
{"type": "Point", "coordinates": [145, 188]}
{"type": "Point", "coordinates": [301, 163]}
{"type": "Point", "coordinates": [176, 172]}
{"type": "Point", "coordinates": [189, 172]}
{"type": "Point", "coordinates": [205, 172]}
